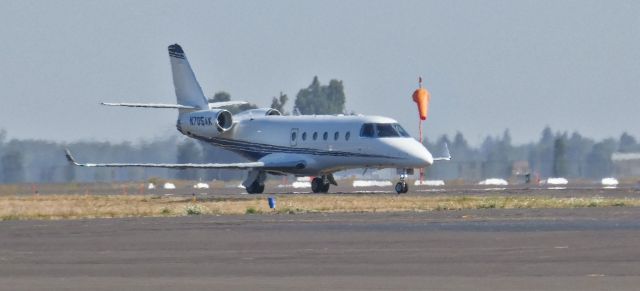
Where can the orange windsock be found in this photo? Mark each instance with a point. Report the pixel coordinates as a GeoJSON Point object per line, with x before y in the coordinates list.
{"type": "Point", "coordinates": [421, 98]}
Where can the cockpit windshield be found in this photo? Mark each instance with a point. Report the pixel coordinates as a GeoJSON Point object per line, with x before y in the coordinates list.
{"type": "Point", "coordinates": [401, 130]}
{"type": "Point", "coordinates": [382, 130]}
{"type": "Point", "coordinates": [386, 130]}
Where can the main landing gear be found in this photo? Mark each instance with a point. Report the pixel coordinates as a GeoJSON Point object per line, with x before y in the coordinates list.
{"type": "Point", "coordinates": [255, 188]}
{"type": "Point", "coordinates": [402, 186]}
{"type": "Point", "coordinates": [254, 184]}
{"type": "Point", "coordinates": [322, 184]}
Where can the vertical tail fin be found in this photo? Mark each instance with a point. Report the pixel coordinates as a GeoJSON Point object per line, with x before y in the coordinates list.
{"type": "Point", "coordinates": [188, 91]}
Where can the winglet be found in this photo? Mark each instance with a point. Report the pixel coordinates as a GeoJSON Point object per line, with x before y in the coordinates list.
{"type": "Point", "coordinates": [70, 158]}
{"type": "Point", "coordinates": [447, 156]}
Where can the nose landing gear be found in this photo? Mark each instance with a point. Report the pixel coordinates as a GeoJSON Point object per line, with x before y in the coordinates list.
{"type": "Point", "coordinates": [402, 186]}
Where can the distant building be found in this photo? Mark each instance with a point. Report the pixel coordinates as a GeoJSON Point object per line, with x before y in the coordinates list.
{"type": "Point", "coordinates": [626, 165]}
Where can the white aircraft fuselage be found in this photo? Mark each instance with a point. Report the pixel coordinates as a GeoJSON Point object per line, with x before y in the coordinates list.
{"type": "Point", "coordinates": [324, 143]}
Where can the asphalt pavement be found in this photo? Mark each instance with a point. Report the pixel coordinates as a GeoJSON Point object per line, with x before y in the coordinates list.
{"type": "Point", "coordinates": [493, 249]}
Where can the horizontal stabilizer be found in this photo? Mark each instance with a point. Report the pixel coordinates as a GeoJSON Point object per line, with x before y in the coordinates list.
{"type": "Point", "coordinates": [212, 105]}
{"type": "Point", "coordinates": [150, 105]}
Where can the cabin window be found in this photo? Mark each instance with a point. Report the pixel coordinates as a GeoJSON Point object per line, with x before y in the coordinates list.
{"type": "Point", "coordinates": [347, 135]}
{"type": "Point", "coordinates": [304, 136]}
{"type": "Point", "coordinates": [336, 135]}
{"type": "Point", "coordinates": [367, 130]}
{"type": "Point", "coordinates": [325, 135]}
{"type": "Point", "coordinates": [315, 135]}
{"type": "Point", "coordinates": [293, 136]}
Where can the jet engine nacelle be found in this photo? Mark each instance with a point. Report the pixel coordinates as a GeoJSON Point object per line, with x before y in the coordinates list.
{"type": "Point", "coordinates": [205, 123]}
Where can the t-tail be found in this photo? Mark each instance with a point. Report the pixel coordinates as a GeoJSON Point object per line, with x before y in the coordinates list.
{"type": "Point", "coordinates": [188, 91]}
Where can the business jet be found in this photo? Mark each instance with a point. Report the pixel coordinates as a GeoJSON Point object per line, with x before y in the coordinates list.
{"type": "Point", "coordinates": [304, 145]}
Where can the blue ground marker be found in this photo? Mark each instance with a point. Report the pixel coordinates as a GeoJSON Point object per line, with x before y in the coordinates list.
{"type": "Point", "coordinates": [272, 202]}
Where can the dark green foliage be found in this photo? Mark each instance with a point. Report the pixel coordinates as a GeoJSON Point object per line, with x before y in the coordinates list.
{"type": "Point", "coordinates": [220, 97]}
{"type": "Point", "coordinates": [496, 156]}
{"type": "Point", "coordinates": [279, 102]}
{"type": "Point", "coordinates": [599, 159]}
{"type": "Point", "coordinates": [189, 152]}
{"type": "Point", "coordinates": [560, 156]}
{"type": "Point", "coordinates": [13, 166]}
{"type": "Point", "coordinates": [321, 99]}
{"type": "Point", "coordinates": [627, 143]}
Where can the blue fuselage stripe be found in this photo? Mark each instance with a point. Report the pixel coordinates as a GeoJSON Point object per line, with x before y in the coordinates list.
{"type": "Point", "coordinates": [258, 150]}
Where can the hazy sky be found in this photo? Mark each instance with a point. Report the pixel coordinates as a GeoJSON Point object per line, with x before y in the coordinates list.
{"type": "Point", "coordinates": [489, 65]}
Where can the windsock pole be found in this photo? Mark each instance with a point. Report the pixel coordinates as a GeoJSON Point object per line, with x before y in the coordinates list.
{"type": "Point", "coordinates": [421, 98]}
{"type": "Point", "coordinates": [420, 134]}
{"type": "Point", "coordinates": [421, 169]}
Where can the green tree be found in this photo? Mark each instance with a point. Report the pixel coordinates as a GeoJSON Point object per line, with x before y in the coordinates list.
{"type": "Point", "coordinates": [541, 156]}
{"type": "Point", "coordinates": [496, 151]}
{"type": "Point", "coordinates": [321, 99]}
{"type": "Point", "coordinates": [221, 96]}
{"type": "Point", "coordinates": [627, 143]}
{"type": "Point", "coordinates": [189, 152]}
{"type": "Point", "coordinates": [560, 156]}
{"type": "Point", "coordinates": [13, 166]}
{"type": "Point", "coordinates": [599, 164]}
{"type": "Point", "coordinates": [279, 102]}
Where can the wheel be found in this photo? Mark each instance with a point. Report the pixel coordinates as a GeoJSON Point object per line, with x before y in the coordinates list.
{"type": "Point", "coordinates": [317, 185]}
{"type": "Point", "coordinates": [405, 189]}
{"type": "Point", "coordinates": [400, 186]}
{"type": "Point", "coordinates": [325, 188]}
{"type": "Point", "coordinates": [255, 188]}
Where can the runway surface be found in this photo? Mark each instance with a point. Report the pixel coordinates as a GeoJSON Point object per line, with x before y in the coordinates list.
{"type": "Point", "coordinates": [563, 249]}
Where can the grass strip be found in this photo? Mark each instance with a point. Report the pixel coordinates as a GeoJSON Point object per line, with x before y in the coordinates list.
{"type": "Point", "coordinates": [105, 206]}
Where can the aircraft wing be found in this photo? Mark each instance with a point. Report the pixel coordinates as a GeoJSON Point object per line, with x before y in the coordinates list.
{"type": "Point", "coordinates": [267, 164]}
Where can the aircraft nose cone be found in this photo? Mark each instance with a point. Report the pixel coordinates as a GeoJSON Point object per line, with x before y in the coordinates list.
{"type": "Point", "coordinates": [420, 154]}
{"type": "Point", "coordinates": [427, 157]}
{"type": "Point", "coordinates": [423, 155]}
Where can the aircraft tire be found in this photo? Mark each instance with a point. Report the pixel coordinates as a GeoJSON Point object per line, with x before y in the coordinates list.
{"type": "Point", "coordinates": [316, 185]}
{"type": "Point", "coordinates": [255, 188]}
{"type": "Point", "coordinates": [325, 188]}
{"type": "Point", "coordinates": [400, 187]}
